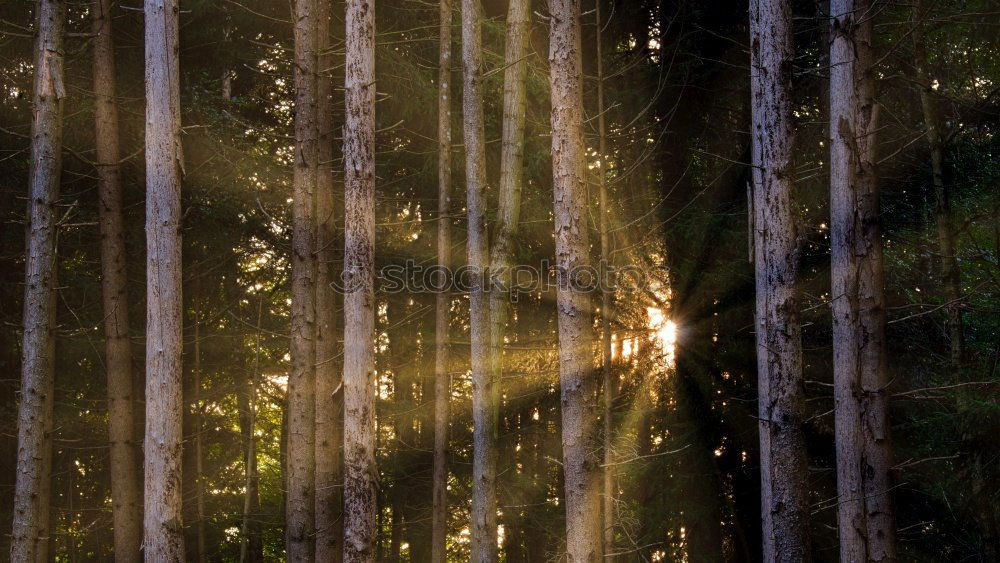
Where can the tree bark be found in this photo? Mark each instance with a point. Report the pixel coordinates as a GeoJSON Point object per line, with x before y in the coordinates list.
{"type": "Point", "coordinates": [578, 379]}
{"type": "Point", "coordinates": [126, 506]}
{"type": "Point", "coordinates": [31, 531]}
{"type": "Point", "coordinates": [484, 423]}
{"type": "Point", "coordinates": [864, 456]}
{"type": "Point", "coordinates": [300, 510]}
{"type": "Point", "coordinates": [442, 318]}
{"type": "Point", "coordinates": [781, 391]}
{"type": "Point", "coordinates": [329, 408]}
{"type": "Point", "coordinates": [163, 531]}
{"type": "Point", "coordinates": [950, 272]}
{"type": "Point", "coordinates": [359, 299]}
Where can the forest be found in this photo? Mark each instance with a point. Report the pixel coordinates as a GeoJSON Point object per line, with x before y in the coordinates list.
{"type": "Point", "coordinates": [499, 281]}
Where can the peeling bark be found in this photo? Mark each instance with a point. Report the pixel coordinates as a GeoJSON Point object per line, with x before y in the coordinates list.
{"type": "Point", "coordinates": [577, 376]}
{"type": "Point", "coordinates": [781, 392]}
{"type": "Point", "coordinates": [865, 515]}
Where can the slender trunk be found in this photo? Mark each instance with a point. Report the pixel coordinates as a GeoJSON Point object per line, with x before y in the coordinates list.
{"type": "Point", "coordinates": [163, 532]}
{"type": "Point", "coordinates": [329, 409]}
{"type": "Point", "coordinates": [300, 510]}
{"type": "Point", "coordinates": [442, 379]}
{"type": "Point", "coordinates": [126, 506]}
{"type": "Point", "coordinates": [359, 299]}
{"type": "Point", "coordinates": [199, 484]}
{"type": "Point", "coordinates": [30, 535]}
{"type": "Point", "coordinates": [251, 547]}
{"type": "Point", "coordinates": [484, 430]}
{"type": "Point", "coordinates": [865, 512]}
{"type": "Point", "coordinates": [950, 272]}
{"type": "Point", "coordinates": [508, 211]}
{"type": "Point", "coordinates": [609, 385]}
{"type": "Point", "coordinates": [578, 380]}
{"type": "Point", "coordinates": [781, 392]}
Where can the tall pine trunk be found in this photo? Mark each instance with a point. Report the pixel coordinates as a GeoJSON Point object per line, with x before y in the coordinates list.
{"type": "Point", "coordinates": [950, 272]}
{"type": "Point", "coordinates": [300, 507]}
{"type": "Point", "coordinates": [578, 378]}
{"type": "Point", "coordinates": [609, 385]}
{"type": "Point", "coordinates": [509, 205]}
{"type": "Point", "coordinates": [30, 535]}
{"type": "Point", "coordinates": [442, 318]}
{"type": "Point", "coordinates": [864, 457]}
{"type": "Point", "coordinates": [781, 391]}
{"type": "Point", "coordinates": [126, 503]}
{"type": "Point", "coordinates": [359, 300]}
{"type": "Point", "coordinates": [484, 420]}
{"type": "Point", "coordinates": [329, 408]}
{"type": "Point", "coordinates": [163, 532]}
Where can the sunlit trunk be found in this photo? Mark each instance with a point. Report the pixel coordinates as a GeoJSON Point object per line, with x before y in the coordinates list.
{"type": "Point", "coordinates": [866, 517]}
{"type": "Point", "coordinates": [30, 535]}
{"type": "Point", "coordinates": [359, 299]}
{"type": "Point", "coordinates": [126, 503]}
{"type": "Point", "coordinates": [781, 391]}
{"type": "Point", "coordinates": [484, 411]}
{"type": "Point", "coordinates": [577, 376]}
{"type": "Point", "coordinates": [163, 533]}
{"type": "Point", "coordinates": [442, 317]}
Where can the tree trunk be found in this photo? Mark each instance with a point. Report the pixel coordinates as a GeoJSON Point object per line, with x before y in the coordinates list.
{"type": "Point", "coordinates": [484, 429]}
{"type": "Point", "coordinates": [300, 510]}
{"type": "Point", "coordinates": [196, 422]}
{"type": "Point", "coordinates": [950, 272]}
{"type": "Point", "coordinates": [251, 547]}
{"type": "Point", "coordinates": [163, 531]}
{"type": "Point", "coordinates": [359, 299]}
{"type": "Point", "coordinates": [30, 535]}
{"type": "Point", "coordinates": [329, 409]}
{"type": "Point", "coordinates": [865, 512]}
{"type": "Point", "coordinates": [609, 384]}
{"type": "Point", "coordinates": [581, 459]}
{"type": "Point", "coordinates": [781, 392]}
{"type": "Point", "coordinates": [126, 506]}
{"type": "Point", "coordinates": [442, 379]}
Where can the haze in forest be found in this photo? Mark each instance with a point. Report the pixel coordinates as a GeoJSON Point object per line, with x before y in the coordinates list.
{"type": "Point", "coordinates": [499, 281]}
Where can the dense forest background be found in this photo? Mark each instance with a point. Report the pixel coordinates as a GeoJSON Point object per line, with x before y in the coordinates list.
{"type": "Point", "coordinates": [677, 101]}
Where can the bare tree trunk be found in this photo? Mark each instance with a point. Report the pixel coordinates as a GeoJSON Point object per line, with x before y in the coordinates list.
{"type": "Point", "coordinates": [30, 535]}
{"type": "Point", "coordinates": [442, 319]}
{"type": "Point", "coordinates": [251, 547]}
{"type": "Point", "coordinates": [484, 423]}
{"type": "Point", "coordinates": [329, 409]}
{"type": "Point", "coordinates": [865, 512]}
{"type": "Point", "coordinates": [581, 459]}
{"type": "Point", "coordinates": [163, 531]}
{"type": "Point", "coordinates": [199, 470]}
{"type": "Point", "coordinates": [609, 385]}
{"type": "Point", "coordinates": [950, 272]}
{"type": "Point", "coordinates": [781, 392]}
{"type": "Point", "coordinates": [300, 510]}
{"type": "Point", "coordinates": [508, 216]}
{"type": "Point", "coordinates": [359, 299]}
{"type": "Point", "coordinates": [126, 507]}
